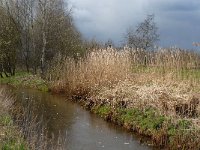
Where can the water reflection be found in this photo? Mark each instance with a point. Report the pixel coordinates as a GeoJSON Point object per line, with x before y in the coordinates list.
{"type": "Point", "coordinates": [82, 130]}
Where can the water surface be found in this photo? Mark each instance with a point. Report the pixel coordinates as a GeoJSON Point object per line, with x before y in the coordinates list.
{"type": "Point", "coordinates": [81, 129]}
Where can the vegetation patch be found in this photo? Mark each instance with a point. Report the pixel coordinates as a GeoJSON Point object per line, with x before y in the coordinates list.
{"type": "Point", "coordinates": [162, 130]}
{"type": "Point", "coordinates": [6, 120]}
{"type": "Point", "coordinates": [26, 80]}
{"type": "Point", "coordinates": [10, 136]}
{"type": "Point", "coordinates": [149, 95]}
{"type": "Point", "coordinates": [20, 129]}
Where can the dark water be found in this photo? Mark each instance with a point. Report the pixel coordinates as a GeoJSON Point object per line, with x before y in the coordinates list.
{"type": "Point", "coordinates": [81, 129]}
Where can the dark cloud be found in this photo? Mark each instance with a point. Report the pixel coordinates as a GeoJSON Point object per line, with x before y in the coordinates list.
{"type": "Point", "coordinates": [178, 20]}
{"type": "Point", "coordinates": [176, 5]}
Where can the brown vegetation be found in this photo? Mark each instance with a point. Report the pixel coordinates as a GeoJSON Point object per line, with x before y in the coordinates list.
{"type": "Point", "coordinates": [166, 80]}
{"type": "Point", "coordinates": [188, 109]}
{"type": "Point", "coordinates": [102, 68]}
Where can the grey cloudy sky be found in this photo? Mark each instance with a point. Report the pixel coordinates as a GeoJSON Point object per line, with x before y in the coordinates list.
{"type": "Point", "coordinates": [178, 20]}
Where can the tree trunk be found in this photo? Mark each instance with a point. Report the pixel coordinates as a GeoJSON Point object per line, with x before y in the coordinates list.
{"type": "Point", "coordinates": [43, 53]}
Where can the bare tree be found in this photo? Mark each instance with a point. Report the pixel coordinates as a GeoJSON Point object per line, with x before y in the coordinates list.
{"type": "Point", "coordinates": [57, 30]}
{"type": "Point", "coordinates": [9, 42]}
{"type": "Point", "coordinates": [197, 44]}
{"type": "Point", "coordinates": [109, 43]}
{"type": "Point", "coordinates": [46, 29]}
{"type": "Point", "coordinates": [43, 4]}
{"type": "Point", "coordinates": [145, 36]}
{"type": "Point", "coordinates": [22, 13]}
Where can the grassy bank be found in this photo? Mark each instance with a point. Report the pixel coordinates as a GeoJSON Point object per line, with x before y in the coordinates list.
{"type": "Point", "coordinates": [10, 135]}
{"type": "Point", "coordinates": [26, 80]}
{"type": "Point", "coordinates": [21, 129]}
{"type": "Point", "coordinates": [154, 94]}
{"type": "Point", "coordinates": [163, 131]}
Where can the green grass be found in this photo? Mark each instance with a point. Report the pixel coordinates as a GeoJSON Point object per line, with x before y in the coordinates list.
{"type": "Point", "coordinates": [179, 73]}
{"type": "Point", "coordinates": [14, 145]}
{"type": "Point", "coordinates": [10, 137]}
{"type": "Point", "coordinates": [148, 120]}
{"type": "Point", "coordinates": [6, 120]}
{"type": "Point", "coordinates": [190, 73]}
{"type": "Point", "coordinates": [26, 80]}
{"type": "Point", "coordinates": [103, 111]}
{"type": "Point", "coordinates": [150, 123]}
{"type": "Point", "coordinates": [181, 126]}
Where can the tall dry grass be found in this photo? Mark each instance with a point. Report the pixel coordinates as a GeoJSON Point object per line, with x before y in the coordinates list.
{"type": "Point", "coordinates": [5, 103]}
{"type": "Point", "coordinates": [162, 78]}
{"type": "Point", "coordinates": [97, 69]}
{"type": "Point", "coordinates": [104, 68]}
{"type": "Point", "coordinates": [166, 58]}
{"type": "Point", "coordinates": [166, 80]}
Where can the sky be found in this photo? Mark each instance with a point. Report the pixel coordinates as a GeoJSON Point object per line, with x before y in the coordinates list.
{"type": "Point", "coordinates": [178, 21]}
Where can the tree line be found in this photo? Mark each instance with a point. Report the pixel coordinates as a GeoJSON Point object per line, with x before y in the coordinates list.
{"type": "Point", "coordinates": [33, 32]}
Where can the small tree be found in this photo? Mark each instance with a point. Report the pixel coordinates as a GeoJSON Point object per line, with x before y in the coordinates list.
{"type": "Point", "coordinates": [145, 36]}
{"type": "Point", "coordinates": [109, 43]}
{"type": "Point", "coordinates": [197, 44]}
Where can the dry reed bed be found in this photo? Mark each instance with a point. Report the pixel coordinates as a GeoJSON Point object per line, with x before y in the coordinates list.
{"type": "Point", "coordinates": [100, 68]}
{"type": "Point", "coordinates": [173, 58]}
{"type": "Point", "coordinates": [5, 102]}
{"type": "Point", "coordinates": [136, 79]}
{"type": "Point", "coordinates": [165, 97]}
{"type": "Point", "coordinates": [108, 74]}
